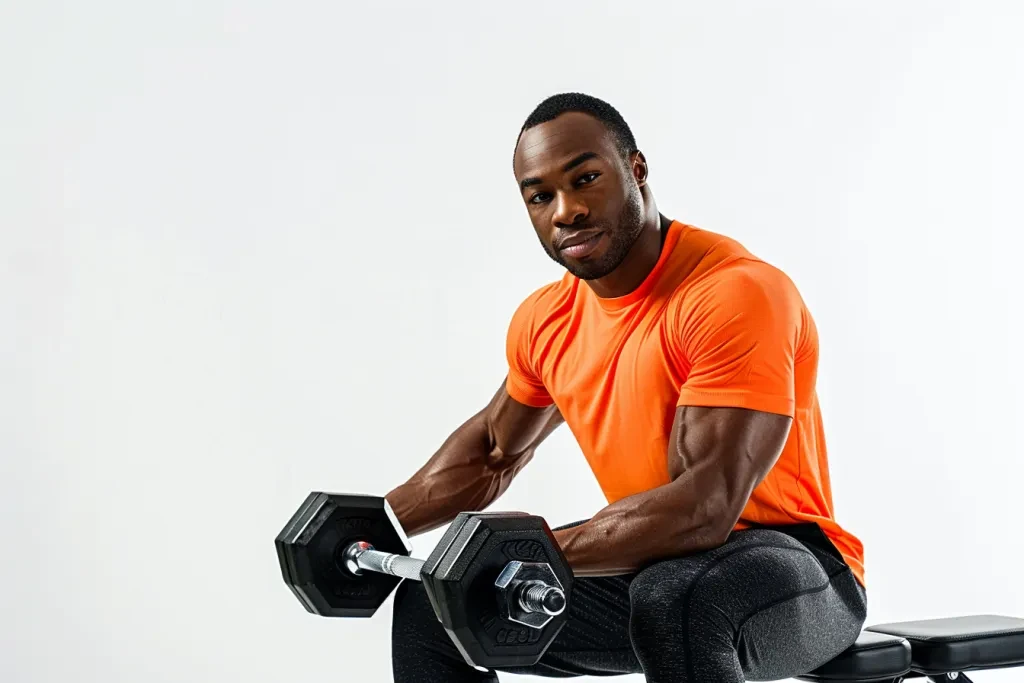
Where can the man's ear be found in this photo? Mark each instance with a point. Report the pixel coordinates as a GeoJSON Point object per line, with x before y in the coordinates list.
{"type": "Point", "coordinates": [639, 169]}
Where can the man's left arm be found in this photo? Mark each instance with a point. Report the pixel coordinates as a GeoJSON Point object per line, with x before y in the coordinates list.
{"type": "Point", "coordinates": [732, 420]}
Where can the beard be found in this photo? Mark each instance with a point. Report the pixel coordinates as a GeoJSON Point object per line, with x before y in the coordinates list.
{"type": "Point", "coordinates": [623, 236]}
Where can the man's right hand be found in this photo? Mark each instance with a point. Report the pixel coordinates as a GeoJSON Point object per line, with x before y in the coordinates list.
{"type": "Point", "coordinates": [474, 465]}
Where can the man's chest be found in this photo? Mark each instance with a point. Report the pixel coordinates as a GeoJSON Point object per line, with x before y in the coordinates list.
{"type": "Point", "coordinates": [631, 371]}
{"type": "Point", "coordinates": [617, 390]}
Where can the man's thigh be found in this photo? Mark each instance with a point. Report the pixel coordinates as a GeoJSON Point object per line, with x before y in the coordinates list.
{"type": "Point", "coordinates": [776, 607]}
{"type": "Point", "coordinates": [762, 597]}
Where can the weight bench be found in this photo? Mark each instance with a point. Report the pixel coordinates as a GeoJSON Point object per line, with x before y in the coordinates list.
{"type": "Point", "coordinates": [941, 650]}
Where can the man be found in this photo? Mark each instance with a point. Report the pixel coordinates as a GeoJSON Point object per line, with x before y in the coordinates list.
{"type": "Point", "coordinates": [685, 367]}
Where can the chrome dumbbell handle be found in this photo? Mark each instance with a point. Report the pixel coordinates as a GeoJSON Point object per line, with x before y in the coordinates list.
{"type": "Point", "coordinates": [360, 556]}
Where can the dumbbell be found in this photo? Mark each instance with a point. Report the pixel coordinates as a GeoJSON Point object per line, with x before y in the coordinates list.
{"type": "Point", "coordinates": [498, 582]}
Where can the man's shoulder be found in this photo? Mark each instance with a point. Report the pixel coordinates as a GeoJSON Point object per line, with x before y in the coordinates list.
{"type": "Point", "coordinates": [720, 259]}
{"type": "Point", "coordinates": [543, 303]}
{"type": "Point", "coordinates": [729, 274]}
{"type": "Point", "coordinates": [548, 296]}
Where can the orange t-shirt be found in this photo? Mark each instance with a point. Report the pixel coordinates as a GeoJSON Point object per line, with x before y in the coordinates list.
{"type": "Point", "coordinates": [712, 325]}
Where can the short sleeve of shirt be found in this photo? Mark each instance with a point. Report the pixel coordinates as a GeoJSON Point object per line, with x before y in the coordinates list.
{"type": "Point", "coordinates": [740, 331]}
{"type": "Point", "coordinates": [523, 383]}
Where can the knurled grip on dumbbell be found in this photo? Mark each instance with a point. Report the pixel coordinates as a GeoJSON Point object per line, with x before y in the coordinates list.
{"type": "Point", "coordinates": [386, 563]}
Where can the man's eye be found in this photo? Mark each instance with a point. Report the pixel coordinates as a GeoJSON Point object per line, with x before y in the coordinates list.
{"type": "Point", "coordinates": [589, 177]}
{"type": "Point", "coordinates": [539, 197]}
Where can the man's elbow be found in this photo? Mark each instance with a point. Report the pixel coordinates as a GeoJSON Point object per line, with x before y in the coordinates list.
{"type": "Point", "coordinates": [723, 522]}
{"type": "Point", "coordinates": [697, 539]}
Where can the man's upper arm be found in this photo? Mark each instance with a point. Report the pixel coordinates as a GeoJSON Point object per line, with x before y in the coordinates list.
{"type": "Point", "coordinates": [516, 429]}
{"type": "Point", "coordinates": [522, 413]}
{"type": "Point", "coordinates": [740, 335]}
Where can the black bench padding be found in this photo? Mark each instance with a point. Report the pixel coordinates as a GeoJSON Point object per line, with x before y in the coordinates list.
{"type": "Point", "coordinates": [969, 643]}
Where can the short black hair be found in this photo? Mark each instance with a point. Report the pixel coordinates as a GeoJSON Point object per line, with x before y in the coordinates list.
{"type": "Point", "coordinates": [556, 105]}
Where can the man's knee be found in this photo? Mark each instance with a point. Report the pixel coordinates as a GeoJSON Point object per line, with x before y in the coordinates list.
{"type": "Point", "coordinates": [674, 598]}
{"type": "Point", "coordinates": [657, 592]}
{"type": "Point", "coordinates": [677, 630]}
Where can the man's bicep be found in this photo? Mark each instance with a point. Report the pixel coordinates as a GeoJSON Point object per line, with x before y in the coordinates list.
{"type": "Point", "coordinates": [726, 452]}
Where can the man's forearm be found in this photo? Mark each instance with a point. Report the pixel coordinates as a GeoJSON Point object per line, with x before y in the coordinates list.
{"type": "Point", "coordinates": [462, 475]}
{"type": "Point", "coordinates": [425, 503]}
{"type": "Point", "coordinates": [668, 521]}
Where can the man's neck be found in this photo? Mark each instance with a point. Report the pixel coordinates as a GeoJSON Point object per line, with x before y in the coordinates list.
{"type": "Point", "coordinates": [638, 264]}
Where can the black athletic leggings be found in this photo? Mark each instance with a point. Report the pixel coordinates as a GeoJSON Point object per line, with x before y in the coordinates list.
{"type": "Point", "coordinates": [764, 606]}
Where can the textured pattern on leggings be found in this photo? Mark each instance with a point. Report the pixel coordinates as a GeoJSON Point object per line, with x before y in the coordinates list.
{"type": "Point", "coordinates": [761, 607]}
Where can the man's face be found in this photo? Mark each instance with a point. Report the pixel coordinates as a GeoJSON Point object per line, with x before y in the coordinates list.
{"type": "Point", "coordinates": [582, 198]}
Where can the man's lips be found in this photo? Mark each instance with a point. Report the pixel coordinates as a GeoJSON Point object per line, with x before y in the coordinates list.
{"type": "Point", "coordinates": [577, 238]}
{"type": "Point", "coordinates": [579, 247]}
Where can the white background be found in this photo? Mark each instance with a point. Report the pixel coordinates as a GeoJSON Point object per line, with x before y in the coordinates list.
{"type": "Point", "coordinates": [255, 249]}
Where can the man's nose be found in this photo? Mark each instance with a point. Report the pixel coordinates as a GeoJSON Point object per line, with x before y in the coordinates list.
{"type": "Point", "coordinates": [569, 210]}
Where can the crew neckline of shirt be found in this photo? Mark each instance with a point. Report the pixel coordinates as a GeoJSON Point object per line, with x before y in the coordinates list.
{"type": "Point", "coordinates": [675, 231]}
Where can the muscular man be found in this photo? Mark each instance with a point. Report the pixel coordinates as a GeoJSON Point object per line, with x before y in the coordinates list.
{"type": "Point", "coordinates": [685, 367]}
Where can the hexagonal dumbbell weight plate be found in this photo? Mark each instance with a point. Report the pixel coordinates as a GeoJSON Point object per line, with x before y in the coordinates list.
{"type": "Point", "coordinates": [460, 577]}
{"type": "Point", "coordinates": [308, 548]}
